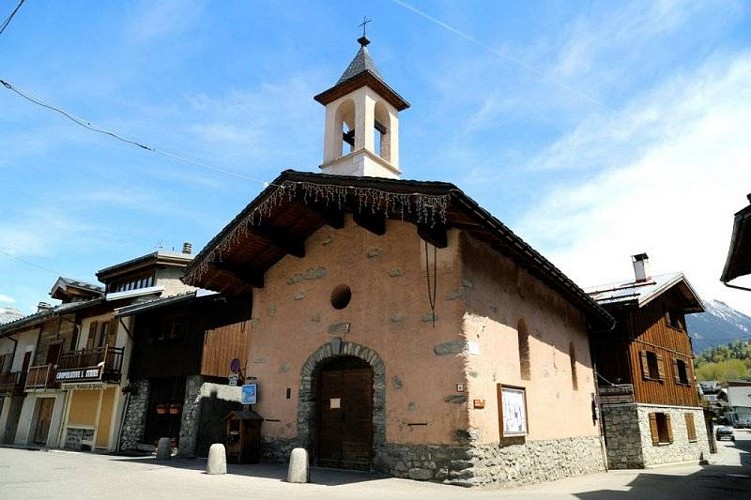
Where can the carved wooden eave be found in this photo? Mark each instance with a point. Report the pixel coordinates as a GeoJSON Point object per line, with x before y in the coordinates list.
{"type": "Point", "coordinates": [295, 205]}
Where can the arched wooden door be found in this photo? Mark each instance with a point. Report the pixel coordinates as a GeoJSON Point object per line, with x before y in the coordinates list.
{"type": "Point", "coordinates": [345, 413]}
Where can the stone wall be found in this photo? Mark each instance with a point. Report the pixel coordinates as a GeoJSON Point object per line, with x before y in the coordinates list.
{"type": "Point", "coordinates": [629, 439]}
{"type": "Point", "coordinates": [134, 424]}
{"type": "Point", "coordinates": [191, 416]}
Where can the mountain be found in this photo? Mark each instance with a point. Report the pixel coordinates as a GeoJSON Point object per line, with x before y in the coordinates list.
{"type": "Point", "coordinates": [719, 325]}
{"type": "Point", "coordinates": [8, 314]}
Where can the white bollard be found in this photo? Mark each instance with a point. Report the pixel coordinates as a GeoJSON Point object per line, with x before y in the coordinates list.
{"type": "Point", "coordinates": [164, 449]}
{"type": "Point", "coordinates": [217, 463]}
{"type": "Point", "coordinates": [299, 468]}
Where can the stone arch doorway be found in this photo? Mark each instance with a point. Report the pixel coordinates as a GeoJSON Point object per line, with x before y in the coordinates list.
{"type": "Point", "coordinates": [341, 414]}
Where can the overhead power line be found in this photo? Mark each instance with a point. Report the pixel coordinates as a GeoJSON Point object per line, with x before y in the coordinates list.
{"type": "Point", "coordinates": [10, 17]}
{"type": "Point", "coordinates": [87, 125]}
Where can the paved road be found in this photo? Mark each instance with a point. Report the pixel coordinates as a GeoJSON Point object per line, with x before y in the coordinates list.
{"type": "Point", "coordinates": [28, 474]}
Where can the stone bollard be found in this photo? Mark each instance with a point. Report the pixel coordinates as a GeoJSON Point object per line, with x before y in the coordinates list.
{"type": "Point", "coordinates": [299, 468]}
{"type": "Point", "coordinates": [164, 449]}
{"type": "Point", "coordinates": [217, 463]}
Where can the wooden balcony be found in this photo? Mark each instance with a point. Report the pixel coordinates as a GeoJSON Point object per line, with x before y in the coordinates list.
{"type": "Point", "coordinates": [41, 377]}
{"type": "Point", "coordinates": [90, 365]}
{"type": "Point", "coordinates": [11, 384]}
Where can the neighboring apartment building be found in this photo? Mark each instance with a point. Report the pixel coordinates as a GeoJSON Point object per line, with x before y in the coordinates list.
{"type": "Point", "coordinates": [79, 353]}
{"type": "Point", "coordinates": [398, 326]}
{"type": "Point", "coordinates": [649, 400]}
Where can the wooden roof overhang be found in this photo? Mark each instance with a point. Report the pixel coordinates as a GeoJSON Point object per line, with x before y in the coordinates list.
{"type": "Point", "coordinates": [295, 205]}
{"type": "Point", "coordinates": [738, 262]}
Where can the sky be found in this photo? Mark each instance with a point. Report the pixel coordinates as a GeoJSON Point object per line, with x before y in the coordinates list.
{"type": "Point", "coordinates": [594, 130]}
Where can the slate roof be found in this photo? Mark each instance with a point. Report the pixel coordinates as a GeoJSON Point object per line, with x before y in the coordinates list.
{"type": "Point", "coordinates": [160, 256]}
{"type": "Point", "coordinates": [361, 63]}
{"type": "Point", "coordinates": [632, 293]}
{"type": "Point", "coordinates": [151, 305]}
{"type": "Point", "coordinates": [79, 284]}
{"type": "Point", "coordinates": [288, 206]}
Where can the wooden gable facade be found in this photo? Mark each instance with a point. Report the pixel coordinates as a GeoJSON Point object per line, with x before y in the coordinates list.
{"type": "Point", "coordinates": [649, 349]}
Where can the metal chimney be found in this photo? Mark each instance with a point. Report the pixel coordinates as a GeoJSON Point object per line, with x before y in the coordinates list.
{"type": "Point", "coordinates": [187, 248]}
{"type": "Point", "coordinates": [641, 267]}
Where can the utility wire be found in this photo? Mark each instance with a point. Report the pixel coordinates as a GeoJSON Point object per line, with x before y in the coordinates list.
{"type": "Point", "coordinates": [10, 17]}
{"type": "Point", "coordinates": [499, 53]}
{"type": "Point", "coordinates": [87, 125]}
{"type": "Point", "coordinates": [10, 255]}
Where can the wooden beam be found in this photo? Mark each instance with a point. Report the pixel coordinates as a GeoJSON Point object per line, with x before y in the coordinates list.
{"type": "Point", "coordinates": [373, 222]}
{"type": "Point", "coordinates": [282, 240]}
{"type": "Point", "coordinates": [435, 234]}
{"type": "Point", "coordinates": [332, 215]}
{"type": "Point", "coordinates": [249, 275]}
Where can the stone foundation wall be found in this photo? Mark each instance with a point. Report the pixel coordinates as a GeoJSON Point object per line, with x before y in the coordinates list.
{"type": "Point", "coordinates": [622, 436]}
{"type": "Point", "coordinates": [191, 416]}
{"type": "Point", "coordinates": [134, 424]}
{"type": "Point", "coordinates": [629, 439]}
{"type": "Point", "coordinates": [478, 465]}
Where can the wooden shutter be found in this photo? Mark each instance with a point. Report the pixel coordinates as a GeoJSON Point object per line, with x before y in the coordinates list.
{"type": "Point", "coordinates": [112, 332]}
{"type": "Point", "coordinates": [653, 429]}
{"type": "Point", "coordinates": [676, 372]}
{"type": "Point", "coordinates": [644, 364]}
{"type": "Point", "coordinates": [669, 426]}
{"type": "Point", "coordinates": [660, 367]}
{"type": "Point", "coordinates": [103, 329]}
{"type": "Point", "coordinates": [90, 341]}
{"type": "Point", "coordinates": [690, 427]}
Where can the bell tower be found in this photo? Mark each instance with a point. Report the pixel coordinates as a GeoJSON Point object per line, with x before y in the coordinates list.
{"type": "Point", "coordinates": [361, 135]}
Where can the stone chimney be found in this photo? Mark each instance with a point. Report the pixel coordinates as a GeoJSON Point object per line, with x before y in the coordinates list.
{"type": "Point", "coordinates": [43, 306]}
{"type": "Point", "coordinates": [187, 248]}
{"type": "Point", "coordinates": [641, 267]}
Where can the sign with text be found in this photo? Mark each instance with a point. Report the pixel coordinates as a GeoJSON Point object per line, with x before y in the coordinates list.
{"type": "Point", "coordinates": [249, 394]}
{"type": "Point", "coordinates": [233, 379]}
{"type": "Point", "coordinates": [79, 375]}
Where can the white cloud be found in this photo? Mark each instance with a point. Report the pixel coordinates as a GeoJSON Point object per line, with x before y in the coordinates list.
{"type": "Point", "coordinates": [677, 166]}
{"type": "Point", "coordinates": [6, 299]}
{"type": "Point", "coordinates": [166, 17]}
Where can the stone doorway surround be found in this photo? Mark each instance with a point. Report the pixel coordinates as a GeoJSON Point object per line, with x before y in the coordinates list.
{"type": "Point", "coordinates": [306, 408]}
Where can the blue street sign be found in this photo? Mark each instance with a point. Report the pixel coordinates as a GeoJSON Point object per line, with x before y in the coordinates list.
{"type": "Point", "coordinates": [249, 394]}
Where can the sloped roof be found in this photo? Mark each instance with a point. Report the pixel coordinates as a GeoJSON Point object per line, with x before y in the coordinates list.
{"type": "Point", "coordinates": [638, 294]}
{"type": "Point", "coordinates": [738, 262]}
{"type": "Point", "coordinates": [159, 257]}
{"type": "Point", "coordinates": [297, 204]}
{"type": "Point", "coordinates": [362, 72]}
{"type": "Point", "coordinates": [63, 284]}
{"type": "Point", "coordinates": [154, 304]}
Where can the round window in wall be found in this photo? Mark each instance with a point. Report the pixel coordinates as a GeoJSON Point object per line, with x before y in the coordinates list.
{"type": "Point", "coordinates": [341, 296]}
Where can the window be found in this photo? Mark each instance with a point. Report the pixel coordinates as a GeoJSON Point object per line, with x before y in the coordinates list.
{"type": "Point", "coordinates": [523, 339]}
{"type": "Point", "coordinates": [572, 357]}
{"type": "Point", "coordinates": [652, 366]}
{"type": "Point", "coordinates": [674, 320]}
{"type": "Point", "coordinates": [690, 427]}
{"type": "Point", "coordinates": [680, 372]}
{"type": "Point", "coordinates": [132, 284]}
{"type": "Point", "coordinates": [6, 360]}
{"type": "Point", "coordinates": [660, 428]}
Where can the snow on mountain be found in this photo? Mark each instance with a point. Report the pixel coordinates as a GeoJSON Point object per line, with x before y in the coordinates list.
{"type": "Point", "coordinates": [719, 325]}
{"type": "Point", "coordinates": [8, 314]}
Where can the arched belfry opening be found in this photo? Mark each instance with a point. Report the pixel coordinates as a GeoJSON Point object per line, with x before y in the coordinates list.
{"type": "Point", "coordinates": [361, 134]}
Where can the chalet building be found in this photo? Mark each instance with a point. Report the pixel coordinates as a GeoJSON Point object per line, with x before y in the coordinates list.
{"type": "Point", "coordinates": [649, 399]}
{"type": "Point", "coordinates": [397, 325]}
{"type": "Point", "coordinates": [183, 348]}
{"type": "Point", "coordinates": [31, 348]}
{"type": "Point", "coordinates": [738, 262]}
{"type": "Point", "coordinates": [75, 355]}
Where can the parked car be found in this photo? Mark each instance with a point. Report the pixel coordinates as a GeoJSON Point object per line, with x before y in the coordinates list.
{"type": "Point", "coordinates": [724, 429]}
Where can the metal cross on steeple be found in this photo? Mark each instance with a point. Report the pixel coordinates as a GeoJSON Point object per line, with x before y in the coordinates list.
{"type": "Point", "coordinates": [363, 40]}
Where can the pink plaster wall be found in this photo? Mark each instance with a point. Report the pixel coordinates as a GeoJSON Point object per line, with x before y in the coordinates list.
{"type": "Point", "coordinates": [387, 274]}
{"type": "Point", "coordinates": [497, 295]}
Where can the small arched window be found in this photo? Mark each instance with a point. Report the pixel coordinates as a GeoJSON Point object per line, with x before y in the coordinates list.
{"type": "Point", "coordinates": [572, 357]}
{"type": "Point", "coordinates": [523, 337]}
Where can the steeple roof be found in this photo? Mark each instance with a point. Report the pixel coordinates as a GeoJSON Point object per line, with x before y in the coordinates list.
{"type": "Point", "coordinates": [362, 72]}
{"type": "Point", "coordinates": [361, 63]}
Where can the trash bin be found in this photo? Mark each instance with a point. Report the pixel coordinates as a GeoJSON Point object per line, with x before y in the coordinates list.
{"type": "Point", "coordinates": [243, 437]}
